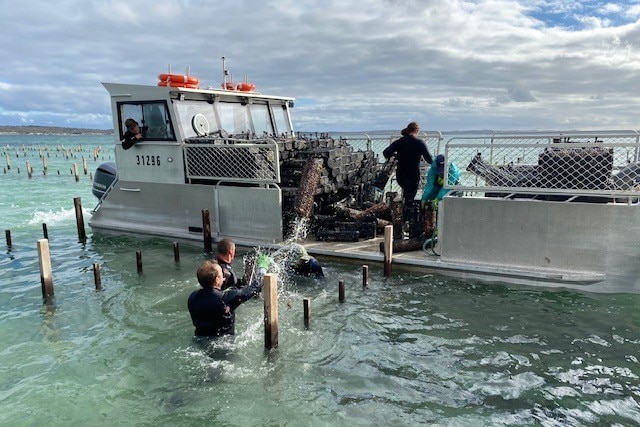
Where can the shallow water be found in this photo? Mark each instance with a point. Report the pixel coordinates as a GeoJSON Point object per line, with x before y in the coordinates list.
{"type": "Point", "coordinates": [412, 349]}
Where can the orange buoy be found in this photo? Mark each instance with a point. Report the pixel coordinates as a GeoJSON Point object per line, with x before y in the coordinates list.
{"type": "Point", "coordinates": [178, 84]}
{"type": "Point", "coordinates": [181, 78]}
{"type": "Point", "coordinates": [246, 87]}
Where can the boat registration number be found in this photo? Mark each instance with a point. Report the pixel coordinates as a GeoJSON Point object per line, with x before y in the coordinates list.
{"type": "Point", "coordinates": [147, 160]}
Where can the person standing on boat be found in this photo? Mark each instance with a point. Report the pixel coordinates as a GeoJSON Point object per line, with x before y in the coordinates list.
{"type": "Point", "coordinates": [132, 135]}
{"type": "Point", "coordinates": [212, 310]}
{"type": "Point", "coordinates": [408, 151]}
{"type": "Point", "coordinates": [434, 189]}
{"type": "Point", "coordinates": [226, 254]}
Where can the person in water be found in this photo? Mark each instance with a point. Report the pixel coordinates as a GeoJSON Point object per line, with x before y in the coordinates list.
{"type": "Point", "coordinates": [225, 256]}
{"type": "Point", "coordinates": [304, 264]}
{"type": "Point", "coordinates": [212, 310]}
{"type": "Point", "coordinates": [132, 135]}
{"type": "Point", "coordinates": [434, 189]}
{"type": "Point", "coordinates": [408, 151]}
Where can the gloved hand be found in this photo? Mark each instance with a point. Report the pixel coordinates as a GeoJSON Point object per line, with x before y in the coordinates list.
{"type": "Point", "coordinates": [440, 180]}
{"type": "Point", "coordinates": [264, 262]}
{"type": "Point", "coordinates": [434, 204]}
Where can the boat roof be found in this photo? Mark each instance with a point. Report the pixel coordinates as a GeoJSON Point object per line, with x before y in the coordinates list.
{"type": "Point", "coordinates": [137, 91]}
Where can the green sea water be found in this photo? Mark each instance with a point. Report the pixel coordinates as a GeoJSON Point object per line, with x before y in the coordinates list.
{"type": "Point", "coordinates": [412, 349]}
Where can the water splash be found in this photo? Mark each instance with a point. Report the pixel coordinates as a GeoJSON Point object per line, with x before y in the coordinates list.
{"type": "Point", "coordinates": [282, 258]}
{"type": "Point", "coordinates": [62, 216]}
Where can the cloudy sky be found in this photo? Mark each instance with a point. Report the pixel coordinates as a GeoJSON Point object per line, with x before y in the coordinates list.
{"type": "Point", "coordinates": [352, 65]}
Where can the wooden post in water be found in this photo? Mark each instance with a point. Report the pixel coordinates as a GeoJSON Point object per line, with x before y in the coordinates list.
{"type": "Point", "coordinates": [206, 231]}
{"type": "Point", "coordinates": [29, 170]}
{"type": "Point", "coordinates": [44, 231]}
{"type": "Point", "coordinates": [388, 249]}
{"type": "Point", "coordinates": [176, 251]}
{"type": "Point", "coordinates": [75, 172]}
{"type": "Point", "coordinates": [341, 291]}
{"type": "Point", "coordinates": [46, 279]}
{"type": "Point", "coordinates": [365, 276]}
{"type": "Point", "coordinates": [7, 235]}
{"type": "Point", "coordinates": [96, 276]}
{"type": "Point", "coordinates": [307, 311]}
{"type": "Point", "coordinates": [44, 165]}
{"type": "Point", "coordinates": [397, 215]}
{"type": "Point", "coordinates": [84, 165]}
{"type": "Point", "coordinates": [139, 261]}
{"type": "Point", "coordinates": [77, 204]}
{"type": "Point", "coordinates": [270, 294]}
{"type": "Point", "coordinates": [6, 156]}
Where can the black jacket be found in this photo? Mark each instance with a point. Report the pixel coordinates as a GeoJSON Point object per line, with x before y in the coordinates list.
{"type": "Point", "coordinates": [213, 311]}
{"type": "Point", "coordinates": [230, 278]}
{"type": "Point", "coordinates": [408, 151]}
{"type": "Point", "coordinates": [129, 140]}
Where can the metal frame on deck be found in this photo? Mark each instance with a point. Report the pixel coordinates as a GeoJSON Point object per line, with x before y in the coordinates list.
{"type": "Point", "coordinates": [550, 164]}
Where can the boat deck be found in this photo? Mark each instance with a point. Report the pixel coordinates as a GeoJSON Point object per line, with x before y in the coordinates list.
{"type": "Point", "coordinates": [369, 250]}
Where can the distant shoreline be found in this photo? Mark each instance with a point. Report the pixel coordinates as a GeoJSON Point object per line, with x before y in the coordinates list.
{"type": "Point", "coordinates": [51, 130]}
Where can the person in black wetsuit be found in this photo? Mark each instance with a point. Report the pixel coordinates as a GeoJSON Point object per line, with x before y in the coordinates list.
{"type": "Point", "coordinates": [408, 151]}
{"type": "Point", "coordinates": [304, 264]}
{"type": "Point", "coordinates": [226, 254]}
{"type": "Point", "coordinates": [132, 135]}
{"type": "Point", "coordinates": [213, 310]}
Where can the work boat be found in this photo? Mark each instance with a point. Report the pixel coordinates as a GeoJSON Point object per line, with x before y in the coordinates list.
{"type": "Point", "coordinates": [546, 209]}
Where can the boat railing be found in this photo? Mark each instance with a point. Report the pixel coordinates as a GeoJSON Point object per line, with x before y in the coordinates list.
{"type": "Point", "coordinates": [232, 160]}
{"type": "Point", "coordinates": [599, 164]}
{"type": "Point", "coordinates": [378, 142]}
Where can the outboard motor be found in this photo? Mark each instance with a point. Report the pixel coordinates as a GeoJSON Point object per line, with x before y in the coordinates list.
{"type": "Point", "coordinates": [104, 177]}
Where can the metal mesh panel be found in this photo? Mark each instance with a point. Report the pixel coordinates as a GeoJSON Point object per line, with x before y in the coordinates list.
{"type": "Point", "coordinates": [581, 164]}
{"type": "Point", "coordinates": [231, 160]}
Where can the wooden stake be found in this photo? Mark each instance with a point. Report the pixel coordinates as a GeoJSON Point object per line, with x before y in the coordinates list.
{"type": "Point", "coordinates": [341, 291]}
{"type": "Point", "coordinates": [44, 231]}
{"type": "Point", "coordinates": [96, 276]}
{"type": "Point", "coordinates": [7, 234]}
{"type": "Point", "coordinates": [388, 249]}
{"type": "Point", "coordinates": [270, 294]}
{"type": "Point", "coordinates": [176, 251]}
{"type": "Point", "coordinates": [307, 311]}
{"type": "Point", "coordinates": [365, 276]}
{"type": "Point", "coordinates": [77, 204]}
{"type": "Point", "coordinates": [75, 172]}
{"type": "Point", "coordinates": [46, 279]}
{"type": "Point", "coordinates": [206, 231]}
{"type": "Point", "coordinates": [139, 261]}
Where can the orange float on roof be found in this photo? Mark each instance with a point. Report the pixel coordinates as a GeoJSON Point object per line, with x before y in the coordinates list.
{"type": "Point", "coordinates": [182, 78]}
{"type": "Point", "coordinates": [178, 84]}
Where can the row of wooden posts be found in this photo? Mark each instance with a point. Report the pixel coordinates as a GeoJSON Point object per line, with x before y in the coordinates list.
{"type": "Point", "coordinates": [270, 281]}
{"type": "Point", "coordinates": [74, 169]}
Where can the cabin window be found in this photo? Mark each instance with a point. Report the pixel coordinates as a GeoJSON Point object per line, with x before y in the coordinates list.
{"type": "Point", "coordinates": [152, 117]}
{"type": "Point", "coordinates": [281, 119]}
{"type": "Point", "coordinates": [261, 120]}
{"type": "Point", "coordinates": [234, 118]}
{"type": "Point", "coordinates": [196, 118]}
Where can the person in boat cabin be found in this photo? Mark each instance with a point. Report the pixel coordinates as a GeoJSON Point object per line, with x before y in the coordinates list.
{"type": "Point", "coordinates": [434, 189]}
{"type": "Point", "coordinates": [225, 256]}
{"type": "Point", "coordinates": [408, 150]}
{"type": "Point", "coordinates": [304, 264]}
{"type": "Point", "coordinates": [212, 310]}
{"type": "Point", "coordinates": [132, 135]}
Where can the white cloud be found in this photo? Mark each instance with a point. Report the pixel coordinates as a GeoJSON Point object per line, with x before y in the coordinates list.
{"type": "Point", "coordinates": [455, 64]}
